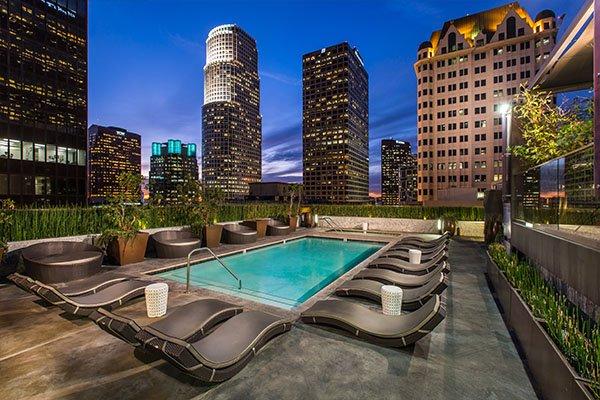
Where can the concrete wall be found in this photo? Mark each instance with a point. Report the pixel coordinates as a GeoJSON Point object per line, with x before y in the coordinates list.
{"type": "Point", "coordinates": [467, 228]}
{"type": "Point", "coordinates": [572, 267]}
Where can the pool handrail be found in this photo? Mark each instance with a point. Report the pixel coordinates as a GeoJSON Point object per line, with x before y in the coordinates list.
{"type": "Point", "coordinates": [188, 268]}
{"type": "Point", "coordinates": [332, 224]}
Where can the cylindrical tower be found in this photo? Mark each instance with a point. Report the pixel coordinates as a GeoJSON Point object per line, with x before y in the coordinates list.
{"type": "Point", "coordinates": [231, 121]}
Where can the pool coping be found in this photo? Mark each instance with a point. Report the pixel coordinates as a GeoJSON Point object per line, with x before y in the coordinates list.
{"type": "Point", "coordinates": [387, 241]}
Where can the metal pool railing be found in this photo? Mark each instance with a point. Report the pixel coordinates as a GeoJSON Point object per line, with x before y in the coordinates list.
{"type": "Point", "coordinates": [188, 268]}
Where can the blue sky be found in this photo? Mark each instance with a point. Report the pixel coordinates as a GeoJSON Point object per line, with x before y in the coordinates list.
{"type": "Point", "coordinates": [146, 59]}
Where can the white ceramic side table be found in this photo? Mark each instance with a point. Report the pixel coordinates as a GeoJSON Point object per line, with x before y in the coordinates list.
{"type": "Point", "coordinates": [157, 296]}
{"type": "Point", "coordinates": [391, 300]}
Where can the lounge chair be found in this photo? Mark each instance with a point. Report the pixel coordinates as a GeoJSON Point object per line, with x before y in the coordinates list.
{"type": "Point", "coordinates": [374, 327]}
{"type": "Point", "coordinates": [424, 250]}
{"type": "Point", "coordinates": [109, 297]}
{"type": "Point", "coordinates": [238, 234]}
{"type": "Point", "coordinates": [422, 243]}
{"type": "Point", "coordinates": [397, 279]}
{"type": "Point", "coordinates": [411, 298]}
{"type": "Point", "coordinates": [222, 353]}
{"type": "Point", "coordinates": [174, 244]}
{"type": "Point", "coordinates": [277, 228]}
{"type": "Point", "coordinates": [61, 261]}
{"type": "Point", "coordinates": [404, 267]}
{"type": "Point", "coordinates": [74, 288]}
{"type": "Point", "coordinates": [425, 257]}
{"type": "Point", "coordinates": [189, 322]}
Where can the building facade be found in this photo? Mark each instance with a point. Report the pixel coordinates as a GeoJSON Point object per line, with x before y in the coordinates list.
{"type": "Point", "coordinates": [43, 101]}
{"type": "Point", "coordinates": [111, 152]}
{"type": "Point", "coordinates": [171, 165]}
{"type": "Point", "coordinates": [398, 173]}
{"type": "Point", "coordinates": [335, 126]}
{"type": "Point", "coordinates": [277, 192]}
{"type": "Point", "coordinates": [231, 120]}
{"type": "Point", "coordinates": [467, 72]}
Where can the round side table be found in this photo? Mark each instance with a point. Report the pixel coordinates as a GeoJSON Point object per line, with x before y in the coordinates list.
{"type": "Point", "coordinates": [391, 300]}
{"type": "Point", "coordinates": [157, 296]}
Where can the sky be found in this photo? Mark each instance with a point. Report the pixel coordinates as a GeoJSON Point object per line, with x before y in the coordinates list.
{"type": "Point", "coordinates": [146, 61]}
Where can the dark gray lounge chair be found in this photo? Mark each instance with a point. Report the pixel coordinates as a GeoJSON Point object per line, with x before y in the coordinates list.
{"type": "Point", "coordinates": [397, 279]}
{"type": "Point", "coordinates": [61, 261]}
{"type": "Point", "coordinates": [238, 234]}
{"type": "Point", "coordinates": [109, 298]}
{"type": "Point", "coordinates": [404, 267]}
{"type": "Point", "coordinates": [412, 298]}
{"type": "Point", "coordinates": [174, 244]}
{"type": "Point", "coordinates": [222, 353]}
{"type": "Point", "coordinates": [374, 327]}
{"type": "Point", "coordinates": [277, 228]}
{"type": "Point", "coordinates": [189, 322]}
{"type": "Point", "coordinates": [74, 288]}
{"type": "Point", "coordinates": [402, 254]}
{"type": "Point", "coordinates": [424, 250]}
{"type": "Point", "coordinates": [422, 243]}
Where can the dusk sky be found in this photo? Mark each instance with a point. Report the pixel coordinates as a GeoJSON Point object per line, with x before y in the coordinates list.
{"type": "Point", "coordinates": [146, 60]}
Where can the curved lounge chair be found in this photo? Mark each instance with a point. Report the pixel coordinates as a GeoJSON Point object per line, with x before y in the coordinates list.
{"type": "Point", "coordinates": [397, 279]}
{"type": "Point", "coordinates": [277, 228]}
{"type": "Point", "coordinates": [174, 244]}
{"type": "Point", "coordinates": [404, 267]}
{"type": "Point", "coordinates": [422, 243]}
{"type": "Point", "coordinates": [425, 252]}
{"type": "Point", "coordinates": [411, 298]}
{"type": "Point", "coordinates": [189, 322]}
{"type": "Point", "coordinates": [110, 297]}
{"type": "Point", "coordinates": [238, 234]}
{"type": "Point", "coordinates": [62, 261]}
{"type": "Point", "coordinates": [425, 258]}
{"type": "Point", "coordinates": [222, 353]}
{"type": "Point", "coordinates": [374, 327]}
{"type": "Point", "coordinates": [74, 288]}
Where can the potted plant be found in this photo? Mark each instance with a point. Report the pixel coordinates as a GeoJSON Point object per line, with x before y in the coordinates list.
{"type": "Point", "coordinates": [207, 216]}
{"type": "Point", "coordinates": [5, 222]}
{"type": "Point", "coordinates": [295, 190]}
{"type": "Point", "coordinates": [124, 242]}
{"type": "Point", "coordinates": [449, 223]}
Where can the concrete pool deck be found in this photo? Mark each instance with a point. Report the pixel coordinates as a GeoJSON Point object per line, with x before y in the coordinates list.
{"type": "Point", "coordinates": [45, 354]}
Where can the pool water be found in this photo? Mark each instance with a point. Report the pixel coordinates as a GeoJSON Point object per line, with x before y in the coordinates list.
{"type": "Point", "coordinates": [284, 275]}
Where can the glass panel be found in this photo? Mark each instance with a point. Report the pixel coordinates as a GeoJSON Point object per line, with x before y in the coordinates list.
{"type": "Point", "coordinates": [28, 185]}
{"type": "Point", "coordinates": [15, 149]}
{"type": "Point", "coordinates": [40, 152]}
{"type": "Point", "coordinates": [40, 184]}
{"type": "Point", "coordinates": [3, 184]}
{"type": "Point", "coordinates": [28, 151]}
{"type": "Point", "coordinates": [3, 148]}
{"type": "Point", "coordinates": [81, 157]}
{"type": "Point", "coordinates": [71, 156]}
{"type": "Point", "coordinates": [50, 153]}
{"type": "Point", "coordinates": [62, 155]}
{"type": "Point", "coordinates": [15, 184]}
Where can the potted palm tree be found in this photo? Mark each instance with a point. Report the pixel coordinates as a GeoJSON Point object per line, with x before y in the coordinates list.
{"type": "Point", "coordinates": [124, 242]}
{"type": "Point", "coordinates": [207, 212]}
{"type": "Point", "coordinates": [293, 215]}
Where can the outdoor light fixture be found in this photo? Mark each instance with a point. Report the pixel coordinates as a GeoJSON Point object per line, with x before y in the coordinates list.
{"type": "Point", "coordinates": [504, 108]}
{"type": "Point", "coordinates": [439, 225]}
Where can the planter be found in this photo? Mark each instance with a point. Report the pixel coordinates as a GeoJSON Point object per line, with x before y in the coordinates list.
{"type": "Point", "coordinates": [211, 235]}
{"type": "Point", "coordinates": [259, 225]}
{"type": "Point", "coordinates": [554, 376]}
{"type": "Point", "coordinates": [293, 223]}
{"type": "Point", "coordinates": [492, 271]}
{"type": "Point", "coordinates": [450, 227]}
{"type": "Point", "coordinates": [124, 251]}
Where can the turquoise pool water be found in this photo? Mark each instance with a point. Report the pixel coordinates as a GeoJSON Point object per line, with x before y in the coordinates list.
{"type": "Point", "coordinates": [284, 275]}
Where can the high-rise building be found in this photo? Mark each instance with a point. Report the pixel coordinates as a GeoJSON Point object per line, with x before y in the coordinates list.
{"type": "Point", "coordinates": [335, 126]}
{"type": "Point", "coordinates": [398, 173]}
{"type": "Point", "coordinates": [467, 72]}
{"type": "Point", "coordinates": [43, 101]}
{"type": "Point", "coordinates": [231, 120]}
{"type": "Point", "coordinates": [171, 165]}
{"type": "Point", "coordinates": [111, 151]}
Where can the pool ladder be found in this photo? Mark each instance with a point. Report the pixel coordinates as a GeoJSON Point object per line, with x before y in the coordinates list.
{"type": "Point", "coordinates": [332, 224]}
{"type": "Point", "coordinates": [191, 253]}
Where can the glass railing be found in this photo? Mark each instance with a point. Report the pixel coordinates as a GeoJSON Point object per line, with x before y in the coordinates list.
{"type": "Point", "coordinates": [559, 195]}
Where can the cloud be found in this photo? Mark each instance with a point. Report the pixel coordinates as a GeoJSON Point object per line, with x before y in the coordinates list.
{"type": "Point", "coordinates": [191, 46]}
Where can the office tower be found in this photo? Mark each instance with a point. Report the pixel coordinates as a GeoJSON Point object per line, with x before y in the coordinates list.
{"type": "Point", "coordinates": [335, 126]}
{"type": "Point", "coordinates": [231, 120]}
{"type": "Point", "coordinates": [43, 101]}
{"type": "Point", "coordinates": [171, 165]}
{"type": "Point", "coordinates": [398, 173]}
{"type": "Point", "coordinates": [467, 72]}
{"type": "Point", "coordinates": [111, 152]}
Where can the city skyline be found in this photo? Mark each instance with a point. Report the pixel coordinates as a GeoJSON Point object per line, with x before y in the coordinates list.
{"type": "Point", "coordinates": [160, 67]}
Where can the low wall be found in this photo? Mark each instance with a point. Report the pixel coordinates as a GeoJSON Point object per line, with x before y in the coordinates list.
{"type": "Point", "coordinates": [467, 228]}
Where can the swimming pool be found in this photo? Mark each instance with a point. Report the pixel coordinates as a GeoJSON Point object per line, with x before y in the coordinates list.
{"type": "Point", "coordinates": [284, 275]}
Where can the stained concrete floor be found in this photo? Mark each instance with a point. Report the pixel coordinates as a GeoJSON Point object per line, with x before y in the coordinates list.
{"type": "Point", "coordinates": [470, 355]}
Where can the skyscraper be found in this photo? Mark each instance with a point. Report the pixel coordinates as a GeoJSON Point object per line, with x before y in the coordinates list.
{"type": "Point", "coordinates": [231, 120]}
{"type": "Point", "coordinates": [111, 152]}
{"type": "Point", "coordinates": [398, 173]}
{"type": "Point", "coordinates": [466, 72]}
{"type": "Point", "coordinates": [43, 101]}
{"type": "Point", "coordinates": [171, 164]}
{"type": "Point", "coordinates": [335, 126]}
